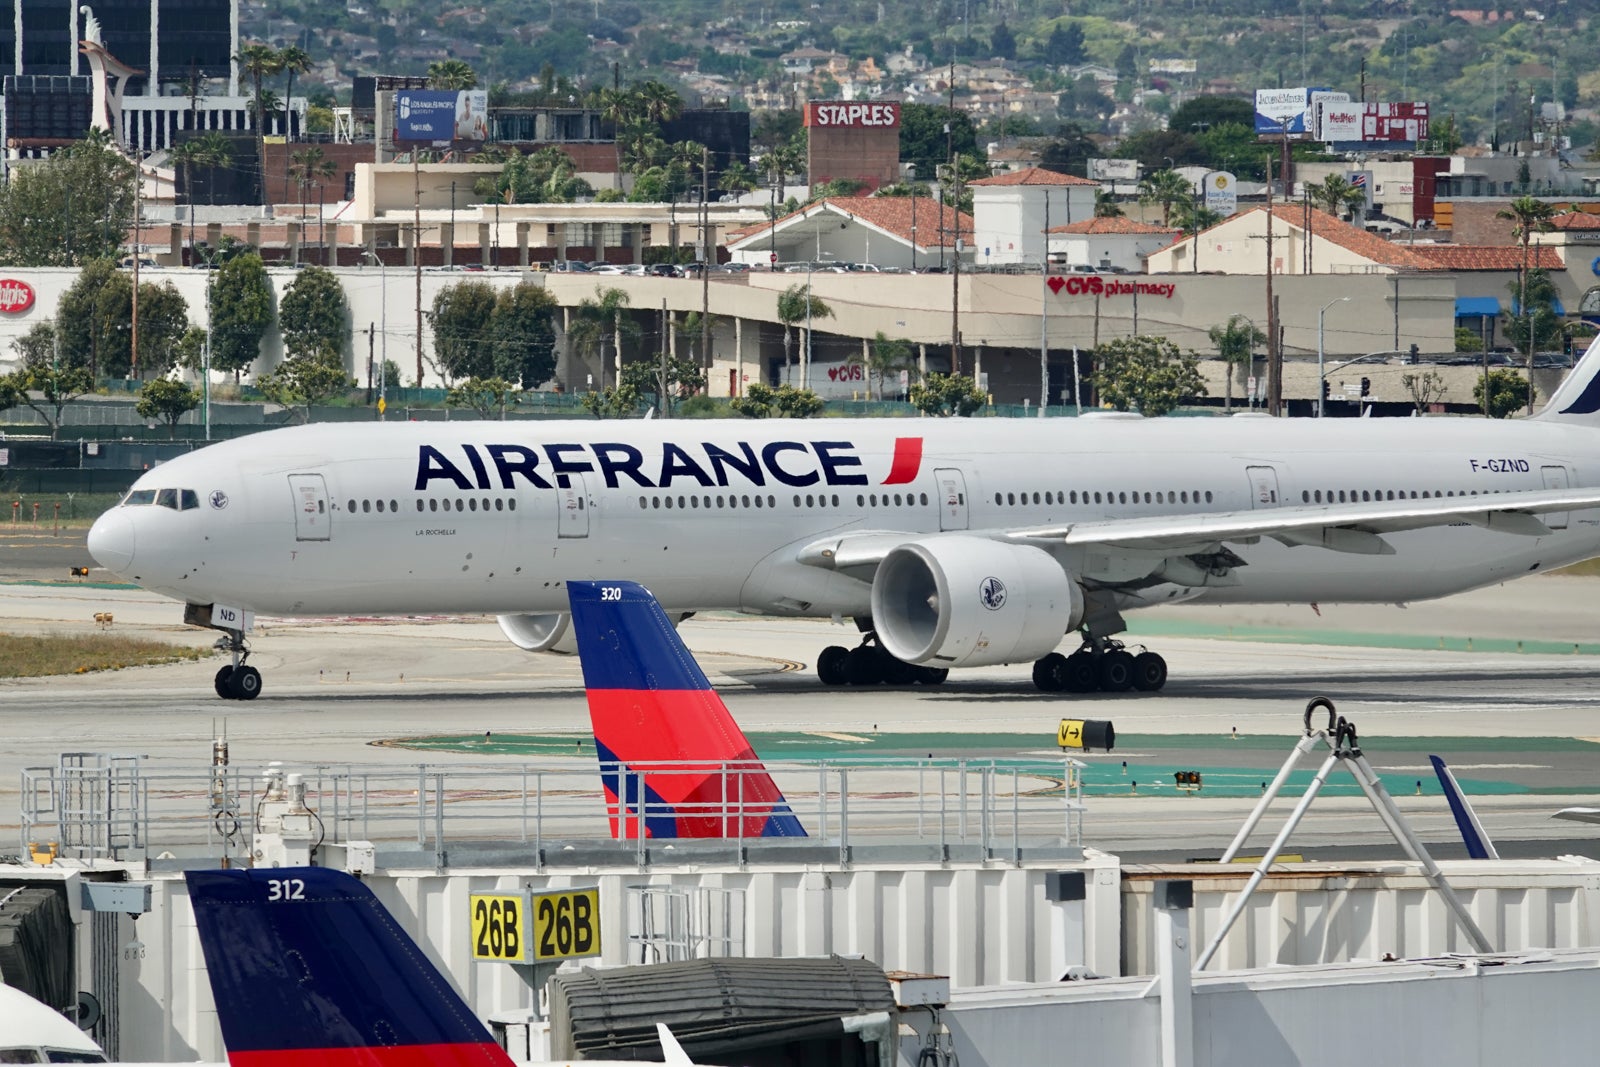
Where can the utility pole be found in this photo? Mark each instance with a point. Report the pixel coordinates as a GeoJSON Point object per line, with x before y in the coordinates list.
{"type": "Point", "coordinates": [955, 222]}
{"type": "Point", "coordinates": [1274, 353]}
{"type": "Point", "coordinates": [416, 247]}
{"type": "Point", "coordinates": [1044, 310]}
{"type": "Point", "coordinates": [133, 328]}
{"type": "Point", "coordinates": [705, 261]}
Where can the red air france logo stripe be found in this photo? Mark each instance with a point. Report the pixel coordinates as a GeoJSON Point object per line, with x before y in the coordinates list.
{"type": "Point", "coordinates": [907, 461]}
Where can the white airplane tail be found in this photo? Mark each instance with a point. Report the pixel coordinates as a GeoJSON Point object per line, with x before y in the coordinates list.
{"type": "Point", "coordinates": [1578, 397]}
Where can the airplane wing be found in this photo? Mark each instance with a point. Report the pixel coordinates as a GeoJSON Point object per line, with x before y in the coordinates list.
{"type": "Point", "coordinates": [1357, 527]}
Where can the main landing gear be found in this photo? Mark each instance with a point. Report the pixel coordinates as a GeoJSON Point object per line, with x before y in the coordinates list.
{"type": "Point", "coordinates": [1101, 664]}
{"type": "Point", "coordinates": [239, 681]}
{"type": "Point", "coordinates": [869, 663]}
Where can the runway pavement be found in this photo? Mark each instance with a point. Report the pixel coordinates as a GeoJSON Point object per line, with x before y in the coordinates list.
{"type": "Point", "coordinates": [335, 687]}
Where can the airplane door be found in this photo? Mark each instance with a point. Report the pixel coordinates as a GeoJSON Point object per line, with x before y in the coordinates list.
{"type": "Point", "coordinates": [572, 518]}
{"type": "Point", "coordinates": [1263, 487]}
{"type": "Point", "coordinates": [1555, 478]}
{"type": "Point", "coordinates": [312, 519]}
{"type": "Point", "coordinates": [952, 489]}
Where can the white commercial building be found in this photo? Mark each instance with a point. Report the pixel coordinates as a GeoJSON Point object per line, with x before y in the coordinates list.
{"type": "Point", "coordinates": [1012, 211]}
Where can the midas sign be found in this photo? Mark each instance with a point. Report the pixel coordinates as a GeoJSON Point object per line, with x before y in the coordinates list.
{"type": "Point", "coordinates": [853, 116]}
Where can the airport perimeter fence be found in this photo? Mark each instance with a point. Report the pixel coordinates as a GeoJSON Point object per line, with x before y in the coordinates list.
{"type": "Point", "coordinates": [105, 806]}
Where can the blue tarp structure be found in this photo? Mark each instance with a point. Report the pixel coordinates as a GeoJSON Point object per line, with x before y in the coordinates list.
{"type": "Point", "coordinates": [1468, 307]}
{"type": "Point", "coordinates": [1555, 305]}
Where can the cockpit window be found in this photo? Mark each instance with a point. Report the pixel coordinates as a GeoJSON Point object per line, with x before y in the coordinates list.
{"type": "Point", "coordinates": [167, 498]}
{"type": "Point", "coordinates": [139, 497]}
{"type": "Point", "coordinates": [58, 1055]}
{"type": "Point", "coordinates": [176, 499]}
{"type": "Point", "coordinates": [191, 499]}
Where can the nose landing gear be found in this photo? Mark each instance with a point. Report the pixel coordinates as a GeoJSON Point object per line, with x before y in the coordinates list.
{"type": "Point", "coordinates": [238, 681]}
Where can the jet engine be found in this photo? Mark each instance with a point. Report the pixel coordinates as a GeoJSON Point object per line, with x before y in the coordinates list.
{"type": "Point", "coordinates": [960, 601]}
{"type": "Point", "coordinates": [540, 633]}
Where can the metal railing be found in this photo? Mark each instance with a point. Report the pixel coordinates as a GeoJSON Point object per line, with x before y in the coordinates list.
{"type": "Point", "coordinates": [121, 807]}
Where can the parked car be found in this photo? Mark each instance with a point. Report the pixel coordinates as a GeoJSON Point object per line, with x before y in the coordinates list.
{"type": "Point", "coordinates": [664, 270]}
{"type": "Point", "coordinates": [570, 266]}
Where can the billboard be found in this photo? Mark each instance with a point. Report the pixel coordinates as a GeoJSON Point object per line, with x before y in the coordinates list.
{"type": "Point", "coordinates": [1222, 193]}
{"type": "Point", "coordinates": [1173, 66]}
{"type": "Point", "coordinates": [1280, 111]}
{"type": "Point", "coordinates": [851, 115]}
{"type": "Point", "coordinates": [1372, 124]}
{"type": "Point", "coordinates": [1114, 170]}
{"type": "Point", "coordinates": [430, 115]}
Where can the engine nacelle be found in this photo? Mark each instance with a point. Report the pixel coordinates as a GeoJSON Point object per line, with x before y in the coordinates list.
{"type": "Point", "coordinates": [540, 633]}
{"type": "Point", "coordinates": [960, 601]}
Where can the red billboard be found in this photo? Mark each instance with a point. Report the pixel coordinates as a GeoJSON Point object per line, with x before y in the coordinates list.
{"type": "Point", "coordinates": [15, 296]}
{"type": "Point", "coordinates": [843, 114]}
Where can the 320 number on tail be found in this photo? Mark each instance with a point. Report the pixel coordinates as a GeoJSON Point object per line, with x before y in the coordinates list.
{"type": "Point", "coordinates": [566, 924]}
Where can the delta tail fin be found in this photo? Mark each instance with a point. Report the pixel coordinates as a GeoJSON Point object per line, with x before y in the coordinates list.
{"type": "Point", "coordinates": [1476, 838]}
{"type": "Point", "coordinates": [308, 969]}
{"type": "Point", "coordinates": [671, 757]}
{"type": "Point", "coordinates": [1577, 398]}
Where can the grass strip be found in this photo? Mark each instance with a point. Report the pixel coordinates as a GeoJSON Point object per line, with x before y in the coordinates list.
{"type": "Point", "coordinates": [42, 656]}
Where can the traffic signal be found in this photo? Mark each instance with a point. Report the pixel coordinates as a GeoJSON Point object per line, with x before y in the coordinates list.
{"type": "Point", "coordinates": [1414, 354]}
{"type": "Point", "coordinates": [1366, 387]}
{"type": "Point", "coordinates": [1187, 779]}
{"type": "Point", "coordinates": [1324, 388]}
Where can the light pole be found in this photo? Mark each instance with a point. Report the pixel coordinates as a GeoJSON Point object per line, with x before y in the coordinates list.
{"type": "Point", "coordinates": [383, 346]}
{"type": "Point", "coordinates": [1323, 310]}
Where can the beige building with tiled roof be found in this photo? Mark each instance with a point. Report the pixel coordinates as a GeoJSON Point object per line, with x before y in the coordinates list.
{"type": "Point", "coordinates": [887, 231]}
{"type": "Point", "coordinates": [1108, 243]}
{"type": "Point", "coordinates": [1304, 241]}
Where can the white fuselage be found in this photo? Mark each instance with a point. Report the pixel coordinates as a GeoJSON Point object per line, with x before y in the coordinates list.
{"type": "Point", "coordinates": [473, 516]}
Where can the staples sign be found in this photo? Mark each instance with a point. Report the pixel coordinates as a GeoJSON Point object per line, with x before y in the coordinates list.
{"type": "Point", "coordinates": [15, 296]}
{"type": "Point", "coordinates": [853, 116]}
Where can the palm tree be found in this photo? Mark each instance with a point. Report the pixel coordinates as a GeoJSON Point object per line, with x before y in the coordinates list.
{"type": "Point", "coordinates": [291, 61]}
{"type": "Point", "coordinates": [621, 108]}
{"type": "Point", "coordinates": [593, 318]}
{"type": "Point", "coordinates": [1530, 214]}
{"type": "Point", "coordinates": [659, 103]}
{"type": "Point", "coordinates": [1235, 343]}
{"type": "Point", "coordinates": [214, 152]}
{"type": "Point", "coordinates": [736, 178]}
{"type": "Point", "coordinates": [450, 74]}
{"type": "Point", "coordinates": [259, 61]}
{"type": "Point", "coordinates": [1106, 206]}
{"type": "Point", "coordinates": [1335, 195]}
{"type": "Point", "coordinates": [886, 356]}
{"type": "Point", "coordinates": [186, 155]}
{"type": "Point", "coordinates": [1165, 187]}
{"type": "Point", "coordinates": [308, 166]}
{"type": "Point", "coordinates": [797, 305]}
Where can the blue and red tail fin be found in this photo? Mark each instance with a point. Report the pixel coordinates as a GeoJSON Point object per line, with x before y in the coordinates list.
{"type": "Point", "coordinates": [1473, 835]}
{"type": "Point", "coordinates": [671, 757]}
{"type": "Point", "coordinates": [308, 969]}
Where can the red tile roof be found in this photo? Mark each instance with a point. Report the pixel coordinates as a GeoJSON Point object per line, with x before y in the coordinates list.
{"type": "Point", "coordinates": [1362, 242]}
{"type": "Point", "coordinates": [889, 213]}
{"type": "Point", "coordinates": [1032, 176]}
{"type": "Point", "coordinates": [1575, 220]}
{"type": "Point", "coordinates": [1114, 225]}
{"type": "Point", "coordinates": [1491, 257]}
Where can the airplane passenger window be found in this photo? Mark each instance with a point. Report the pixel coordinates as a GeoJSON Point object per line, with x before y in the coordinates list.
{"type": "Point", "coordinates": [1035, 498]}
{"type": "Point", "coordinates": [380, 507]}
{"type": "Point", "coordinates": [322, 507]}
{"type": "Point", "coordinates": [366, 505]}
{"type": "Point", "coordinates": [1208, 496]}
{"type": "Point", "coordinates": [419, 505]}
{"type": "Point", "coordinates": [1365, 495]}
{"type": "Point", "coordinates": [694, 501]}
{"type": "Point", "coordinates": [1183, 497]}
{"type": "Point", "coordinates": [680, 503]}
{"type": "Point", "coordinates": [1122, 498]}
{"type": "Point", "coordinates": [836, 499]}
{"type": "Point", "coordinates": [744, 501]}
{"type": "Point", "coordinates": [499, 504]}
{"type": "Point", "coordinates": [719, 500]}
{"type": "Point", "coordinates": [810, 501]}
{"type": "Point", "coordinates": [473, 504]}
{"type": "Point", "coordinates": [580, 503]}
{"type": "Point", "coordinates": [512, 504]}
{"type": "Point", "coordinates": [669, 503]}
{"type": "Point", "coordinates": [758, 500]}
{"type": "Point", "coordinates": [861, 501]}
{"type": "Point", "coordinates": [167, 498]}
{"type": "Point", "coordinates": [433, 505]}
{"type": "Point", "coordinates": [999, 499]}
{"type": "Point", "coordinates": [352, 506]}
{"type": "Point", "coordinates": [924, 497]}
{"type": "Point", "coordinates": [873, 499]}
{"type": "Point", "coordinates": [706, 502]}
{"type": "Point", "coordinates": [191, 500]}
{"type": "Point", "coordinates": [897, 500]}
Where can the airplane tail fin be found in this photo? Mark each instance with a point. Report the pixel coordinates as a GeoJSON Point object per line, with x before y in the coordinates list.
{"type": "Point", "coordinates": [307, 967]}
{"type": "Point", "coordinates": [1479, 847]}
{"type": "Point", "coordinates": [1577, 399]}
{"type": "Point", "coordinates": [671, 757]}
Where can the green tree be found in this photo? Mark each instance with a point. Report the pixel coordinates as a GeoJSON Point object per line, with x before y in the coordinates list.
{"type": "Point", "coordinates": [1539, 318]}
{"type": "Point", "coordinates": [307, 167]}
{"type": "Point", "coordinates": [1065, 45]}
{"type": "Point", "coordinates": [923, 140]}
{"type": "Point", "coordinates": [1509, 393]}
{"type": "Point", "coordinates": [796, 305]}
{"type": "Point", "coordinates": [947, 394]}
{"type": "Point", "coordinates": [66, 211]}
{"type": "Point", "coordinates": [486, 396]}
{"type": "Point", "coordinates": [241, 313]}
{"type": "Point", "coordinates": [762, 401]}
{"type": "Point", "coordinates": [462, 343]}
{"type": "Point", "coordinates": [48, 390]}
{"type": "Point", "coordinates": [1069, 151]}
{"type": "Point", "coordinates": [300, 381]}
{"type": "Point", "coordinates": [662, 386]}
{"type": "Point", "coordinates": [215, 152]}
{"type": "Point", "coordinates": [191, 348]}
{"type": "Point", "coordinates": [524, 335]}
{"type": "Point", "coordinates": [600, 319]}
{"type": "Point", "coordinates": [883, 359]}
{"type": "Point", "coordinates": [449, 74]}
{"type": "Point", "coordinates": [292, 60]}
{"type": "Point", "coordinates": [1426, 389]}
{"type": "Point", "coordinates": [1468, 339]}
{"type": "Point", "coordinates": [1206, 111]}
{"type": "Point", "coordinates": [11, 391]}
{"type": "Point", "coordinates": [1165, 188]}
{"type": "Point", "coordinates": [1335, 195]}
{"type": "Point", "coordinates": [1236, 341]}
{"type": "Point", "coordinates": [1530, 215]}
{"type": "Point", "coordinates": [619, 403]}
{"type": "Point", "coordinates": [163, 320]}
{"type": "Point", "coordinates": [736, 178]}
{"type": "Point", "coordinates": [167, 400]}
{"type": "Point", "coordinates": [92, 321]}
{"type": "Point", "coordinates": [259, 61]}
{"type": "Point", "coordinates": [37, 347]}
{"type": "Point", "coordinates": [1106, 206]}
{"type": "Point", "coordinates": [315, 316]}
{"type": "Point", "coordinates": [1146, 374]}
{"type": "Point", "coordinates": [1002, 42]}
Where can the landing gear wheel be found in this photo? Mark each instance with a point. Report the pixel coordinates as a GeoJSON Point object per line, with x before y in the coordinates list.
{"type": "Point", "coordinates": [224, 676]}
{"type": "Point", "coordinates": [1149, 672]}
{"type": "Point", "coordinates": [932, 675]}
{"type": "Point", "coordinates": [1079, 674]}
{"type": "Point", "coordinates": [1116, 671]}
{"type": "Point", "coordinates": [895, 671]}
{"type": "Point", "coordinates": [831, 665]}
{"type": "Point", "coordinates": [1047, 673]}
{"type": "Point", "coordinates": [245, 684]}
{"type": "Point", "coordinates": [862, 666]}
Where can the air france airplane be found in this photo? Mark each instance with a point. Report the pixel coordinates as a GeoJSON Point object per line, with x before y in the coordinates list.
{"type": "Point", "coordinates": [951, 543]}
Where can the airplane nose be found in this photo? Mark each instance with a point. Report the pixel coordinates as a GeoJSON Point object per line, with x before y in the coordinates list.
{"type": "Point", "coordinates": [111, 541]}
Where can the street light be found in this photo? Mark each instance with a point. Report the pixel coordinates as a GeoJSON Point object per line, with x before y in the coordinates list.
{"type": "Point", "coordinates": [1321, 374]}
{"type": "Point", "coordinates": [383, 366]}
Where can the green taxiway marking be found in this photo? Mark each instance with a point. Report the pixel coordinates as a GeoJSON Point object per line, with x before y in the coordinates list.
{"type": "Point", "coordinates": [1354, 638]}
{"type": "Point", "coordinates": [1251, 761]}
